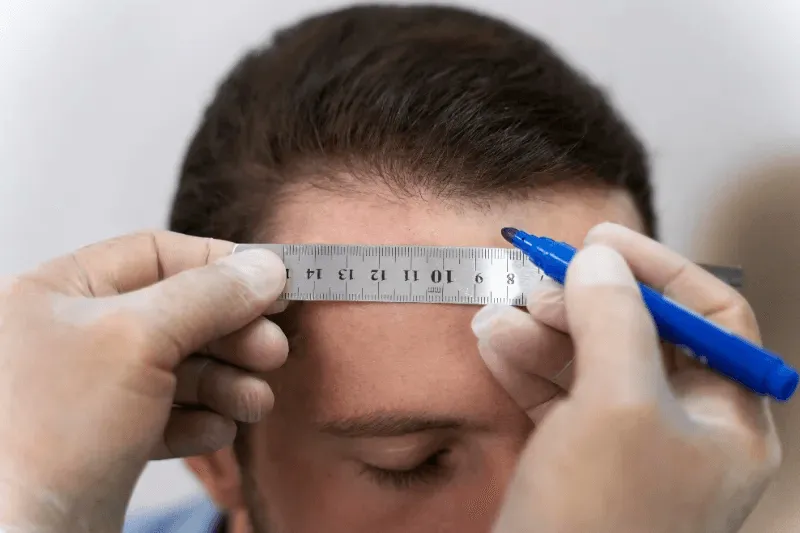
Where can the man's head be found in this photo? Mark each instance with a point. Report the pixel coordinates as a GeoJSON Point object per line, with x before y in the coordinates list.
{"type": "Point", "coordinates": [395, 125]}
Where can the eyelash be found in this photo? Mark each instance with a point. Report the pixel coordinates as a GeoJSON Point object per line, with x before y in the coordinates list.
{"type": "Point", "coordinates": [429, 471]}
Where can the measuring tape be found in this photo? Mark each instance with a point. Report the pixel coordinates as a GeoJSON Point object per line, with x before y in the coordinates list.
{"type": "Point", "coordinates": [415, 274]}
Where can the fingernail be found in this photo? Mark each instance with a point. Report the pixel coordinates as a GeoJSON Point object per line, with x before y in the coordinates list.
{"type": "Point", "coordinates": [253, 257]}
{"type": "Point", "coordinates": [599, 265]}
{"type": "Point", "coordinates": [483, 320]}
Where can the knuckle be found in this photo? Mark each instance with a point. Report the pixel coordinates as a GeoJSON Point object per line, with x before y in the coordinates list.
{"type": "Point", "coordinates": [742, 319]}
{"type": "Point", "coordinates": [630, 413]}
{"type": "Point", "coordinates": [763, 443]}
{"type": "Point", "coordinates": [763, 453]}
{"type": "Point", "coordinates": [147, 235]}
{"type": "Point", "coordinates": [157, 233]}
{"type": "Point", "coordinates": [141, 239]}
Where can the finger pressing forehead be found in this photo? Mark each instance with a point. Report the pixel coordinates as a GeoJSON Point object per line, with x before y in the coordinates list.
{"type": "Point", "coordinates": [678, 278]}
{"type": "Point", "coordinates": [129, 262]}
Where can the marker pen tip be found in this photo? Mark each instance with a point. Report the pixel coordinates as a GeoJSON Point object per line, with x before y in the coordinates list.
{"type": "Point", "coordinates": [508, 233]}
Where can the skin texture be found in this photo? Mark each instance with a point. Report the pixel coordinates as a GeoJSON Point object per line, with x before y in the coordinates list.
{"type": "Point", "coordinates": [402, 362]}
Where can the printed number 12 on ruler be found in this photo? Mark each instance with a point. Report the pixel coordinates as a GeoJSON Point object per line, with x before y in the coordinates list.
{"type": "Point", "coordinates": [424, 274]}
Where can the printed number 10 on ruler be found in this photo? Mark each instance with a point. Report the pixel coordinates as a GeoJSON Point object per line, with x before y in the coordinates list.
{"type": "Point", "coordinates": [461, 275]}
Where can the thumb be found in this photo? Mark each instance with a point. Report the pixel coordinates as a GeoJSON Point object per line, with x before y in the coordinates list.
{"type": "Point", "coordinates": [188, 310]}
{"type": "Point", "coordinates": [616, 347]}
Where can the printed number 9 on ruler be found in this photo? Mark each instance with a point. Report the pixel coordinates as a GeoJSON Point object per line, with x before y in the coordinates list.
{"type": "Point", "coordinates": [422, 274]}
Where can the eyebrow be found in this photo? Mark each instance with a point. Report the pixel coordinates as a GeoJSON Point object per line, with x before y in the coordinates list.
{"type": "Point", "coordinates": [394, 425]}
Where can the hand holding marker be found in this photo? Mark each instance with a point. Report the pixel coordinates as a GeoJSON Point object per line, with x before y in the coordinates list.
{"type": "Point", "coordinates": [730, 355]}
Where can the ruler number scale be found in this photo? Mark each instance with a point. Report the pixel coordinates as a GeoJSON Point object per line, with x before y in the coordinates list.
{"type": "Point", "coordinates": [418, 274]}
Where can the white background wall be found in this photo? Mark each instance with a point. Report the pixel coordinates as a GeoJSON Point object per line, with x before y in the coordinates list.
{"type": "Point", "coordinates": [97, 98]}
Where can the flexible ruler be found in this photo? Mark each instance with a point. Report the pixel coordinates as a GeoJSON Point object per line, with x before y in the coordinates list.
{"type": "Point", "coordinates": [421, 274]}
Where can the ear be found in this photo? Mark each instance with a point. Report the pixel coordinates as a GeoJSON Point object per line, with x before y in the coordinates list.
{"type": "Point", "coordinates": [219, 474]}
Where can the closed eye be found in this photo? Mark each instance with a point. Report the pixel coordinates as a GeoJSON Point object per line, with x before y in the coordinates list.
{"type": "Point", "coordinates": [433, 469]}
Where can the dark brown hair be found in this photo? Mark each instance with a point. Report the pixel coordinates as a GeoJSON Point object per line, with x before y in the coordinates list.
{"type": "Point", "coordinates": [424, 99]}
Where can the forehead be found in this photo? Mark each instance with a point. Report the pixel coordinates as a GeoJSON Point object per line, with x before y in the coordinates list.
{"type": "Point", "coordinates": [361, 357]}
{"type": "Point", "coordinates": [309, 215]}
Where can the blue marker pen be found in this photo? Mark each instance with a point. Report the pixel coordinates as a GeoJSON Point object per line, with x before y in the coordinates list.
{"type": "Point", "coordinates": [730, 355]}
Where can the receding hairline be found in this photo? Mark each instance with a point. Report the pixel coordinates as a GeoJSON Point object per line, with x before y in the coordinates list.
{"type": "Point", "coordinates": [360, 187]}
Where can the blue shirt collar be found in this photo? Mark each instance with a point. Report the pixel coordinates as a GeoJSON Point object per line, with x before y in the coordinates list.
{"type": "Point", "coordinates": [202, 518]}
{"type": "Point", "coordinates": [196, 516]}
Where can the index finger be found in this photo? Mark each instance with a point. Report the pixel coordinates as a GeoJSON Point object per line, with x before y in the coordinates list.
{"type": "Point", "coordinates": [128, 263]}
{"type": "Point", "coordinates": [679, 279]}
{"type": "Point", "coordinates": [617, 354]}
